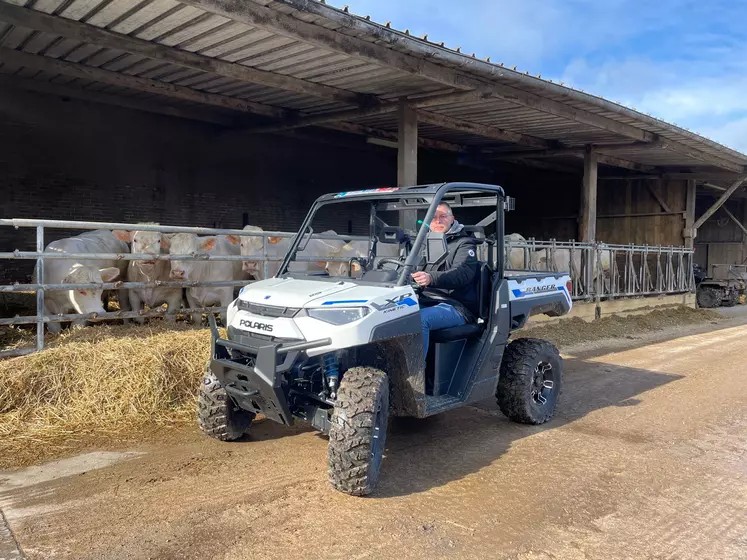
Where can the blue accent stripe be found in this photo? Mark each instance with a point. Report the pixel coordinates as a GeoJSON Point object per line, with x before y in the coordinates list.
{"type": "Point", "coordinates": [345, 301]}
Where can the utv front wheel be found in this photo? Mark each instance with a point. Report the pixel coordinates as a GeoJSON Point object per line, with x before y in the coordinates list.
{"type": "Point", "coordinates": [217, 414]}
{"type": "Point", "coordinates": [530, 380]}
{"type": "Point", "coordinates": [358, 433]}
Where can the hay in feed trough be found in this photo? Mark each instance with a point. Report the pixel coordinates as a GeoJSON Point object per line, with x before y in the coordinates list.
{"type": "Point", "coordinates": [103, 381]}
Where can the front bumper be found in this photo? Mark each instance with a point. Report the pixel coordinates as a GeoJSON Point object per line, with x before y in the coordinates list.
{"type": "Point", "coordinates": [255, 380]}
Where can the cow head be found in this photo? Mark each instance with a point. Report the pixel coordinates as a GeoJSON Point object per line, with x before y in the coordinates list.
{"type": "Point", "coordinates": [188, 244]}
{"type": "Point", "coordinates": [538, 259]}
{"type": "Point", "coordinates": [251, 246]}
{"type": "Point", "coordinates": [148, 243]}
{"type": "Point", "coordinates": [88, 300]}
{"type": "Point", "coordinates": [336, 268]}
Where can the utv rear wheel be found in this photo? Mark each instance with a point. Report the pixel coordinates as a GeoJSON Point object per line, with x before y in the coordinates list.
{"type": "Point", "coordinates": [217, 414]}
{"type": "Point", "coordinates": [708, 297]}
{"type": "Point", "coordinates": [358, 433]}
{"type": "Point", "coordinates": [530, 380]}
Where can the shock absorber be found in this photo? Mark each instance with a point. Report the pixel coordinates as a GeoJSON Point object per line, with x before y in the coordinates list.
{"type": "Point", "coordinates": [331, 374]}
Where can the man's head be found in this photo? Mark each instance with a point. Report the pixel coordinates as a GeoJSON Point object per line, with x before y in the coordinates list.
{"type": "Point", "coordinates": [442, 219]}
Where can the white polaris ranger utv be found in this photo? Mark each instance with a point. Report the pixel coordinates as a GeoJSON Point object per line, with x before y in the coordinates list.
{"type": "Point", "coordinates": [346, 353]}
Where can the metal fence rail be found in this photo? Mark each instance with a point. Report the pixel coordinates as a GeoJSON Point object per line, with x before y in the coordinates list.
{"type": "Point", "coordinates": [598, 271]}
{"type": "Point", "coordinates": [40, 287]}
{"type": "Point", "coordinates": [605, 271]}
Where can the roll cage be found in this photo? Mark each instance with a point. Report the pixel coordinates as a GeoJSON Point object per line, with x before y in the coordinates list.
{"type": "Point", "coordinates": [457, 194]}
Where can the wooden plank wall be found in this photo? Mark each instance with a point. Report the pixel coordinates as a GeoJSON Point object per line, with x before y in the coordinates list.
{"type": "Point", "coordinates": [627, 197]}
{"type": "Point", "coordinates": [549, 209]}
{"type": "Point", "coordinates": [720, 240]}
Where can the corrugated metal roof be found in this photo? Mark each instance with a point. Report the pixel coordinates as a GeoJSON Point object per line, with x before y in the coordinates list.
{"type": "Point", "coordinates": [324, 51]}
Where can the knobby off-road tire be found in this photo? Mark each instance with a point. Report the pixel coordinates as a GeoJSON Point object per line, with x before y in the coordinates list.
{"type": "Point", "coordinates": [530, 381]}
{"type": "Point", "coordinates": [217, 414]}
{"type": "Point", "coordinates": [708, 297]}
{"type": "Point", "coordinates": [357, 436]}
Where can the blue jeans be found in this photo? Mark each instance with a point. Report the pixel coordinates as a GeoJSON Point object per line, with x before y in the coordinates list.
{"type": "Point", "coordinates": [441, 316]}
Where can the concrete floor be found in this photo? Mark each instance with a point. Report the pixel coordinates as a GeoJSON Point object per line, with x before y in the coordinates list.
{"type": "Point", "coordinates": [646, 458]}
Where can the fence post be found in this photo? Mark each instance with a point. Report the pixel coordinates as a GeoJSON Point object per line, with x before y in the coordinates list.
{"type": "Point", "coordinates": [265, 264]}
{"type": "Point", "coordinates": [40, 291]}
{"type": "Point", "coordinates": [599, 278]}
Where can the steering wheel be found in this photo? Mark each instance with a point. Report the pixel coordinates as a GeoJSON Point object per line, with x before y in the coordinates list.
{"type": "Point", "coordinates": [396, 262]}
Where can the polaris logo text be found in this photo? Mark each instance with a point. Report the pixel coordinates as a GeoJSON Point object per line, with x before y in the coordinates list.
{"type": "Point", "coordinates": [255, 325]}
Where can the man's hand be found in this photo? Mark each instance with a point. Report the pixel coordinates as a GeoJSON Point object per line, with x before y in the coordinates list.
{"type": "Point", "coordinates": [422, 278]}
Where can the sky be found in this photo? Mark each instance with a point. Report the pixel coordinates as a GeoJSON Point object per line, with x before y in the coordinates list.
{"type": "Point", "coordinates": [683, 61]}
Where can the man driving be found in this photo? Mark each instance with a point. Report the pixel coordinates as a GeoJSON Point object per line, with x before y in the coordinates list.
{"type": "Point", "coordinates": [453, 278]}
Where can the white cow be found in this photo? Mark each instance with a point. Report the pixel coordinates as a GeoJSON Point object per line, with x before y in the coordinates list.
{"type": "Point", "coordinates": [206, 271]}
{"type": "Point", "coordinates": [63, 271]}
{"type": "Point", "coordinates": [352, 249]}
{"type": "Point", "coordinates": [542, 260]}
{"type": "Point", "coordinates": [150, 243]}
{"type": "Point", "coordinates": [515, 258]}
{"type": "Point", "coordinates": [360, 249]}
{"type": "Point", "coordinates": [278, 247]}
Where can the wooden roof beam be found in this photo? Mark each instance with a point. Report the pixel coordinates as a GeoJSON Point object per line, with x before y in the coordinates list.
{"type": "Point", "coordinates": [380, 109]}
{"type": "Point", "coordinates": [720, 202]}
{"type": "Point", "coordinates": [392, 136]}
{"type": "Point", "coordinates": [191, 113]}
{"type": "Point", "coordinates": [86, 33]}
{"type": "Point", "coordinates": [573, 150]}
{"type": "Point", "coordinates": [485, 131]}
{"type": "Point", "coordinates": [533, 154]}
{"type": "Point", "coordinates": [625, 164]}
{"type": "Point", "coordinates": [55, 66]}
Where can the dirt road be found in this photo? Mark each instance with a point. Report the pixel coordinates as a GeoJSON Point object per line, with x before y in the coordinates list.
{"type": "Point", "coordinates": [647, 458]}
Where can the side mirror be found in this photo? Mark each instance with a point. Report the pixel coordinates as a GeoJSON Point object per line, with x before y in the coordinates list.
{"type": "Point", "coordinates": [435, 248]}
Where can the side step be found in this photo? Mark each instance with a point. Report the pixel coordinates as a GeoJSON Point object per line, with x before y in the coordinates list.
{"type": "Point", "coordinates": [434, 405]}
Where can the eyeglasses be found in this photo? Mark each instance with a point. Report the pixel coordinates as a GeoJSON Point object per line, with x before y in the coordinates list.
{"type": "Point", "coordinates": [441, 217]}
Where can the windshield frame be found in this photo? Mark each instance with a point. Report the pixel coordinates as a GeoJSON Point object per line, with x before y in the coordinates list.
{"type": "Point", "coordinates": [432, 195]}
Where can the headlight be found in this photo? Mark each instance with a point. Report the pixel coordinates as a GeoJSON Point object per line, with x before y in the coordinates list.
{"type": "Point", "coordinates": [340, 316]}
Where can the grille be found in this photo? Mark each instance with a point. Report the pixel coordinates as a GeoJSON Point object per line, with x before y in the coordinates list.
{"type": "Point", "coordinates": [267, 310]}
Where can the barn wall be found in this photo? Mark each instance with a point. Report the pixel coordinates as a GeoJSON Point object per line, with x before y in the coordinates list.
{"type": "Point", "coordinates": [634, 197]}
{"type": "Point", "coordinates": [720, 240]}
{"type": "Point", "coordinates": [73, 160]}
{"type": "Point", "coordinates": [548, 207]}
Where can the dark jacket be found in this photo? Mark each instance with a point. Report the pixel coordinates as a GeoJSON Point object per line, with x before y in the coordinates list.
{"type": "Point", "coordinates": [456, 277]}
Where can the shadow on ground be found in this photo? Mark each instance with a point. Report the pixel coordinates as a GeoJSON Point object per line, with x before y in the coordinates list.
{"type": "Point", "coordinates": [424, 454]}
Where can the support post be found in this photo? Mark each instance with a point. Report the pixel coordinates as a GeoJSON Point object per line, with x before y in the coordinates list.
{"type": "Point", "coordinates": [688, 233]}
{"type": "Point", "coordinates": [588, 223]}
{"type": "Point", "coordinates": [40, 311]}
{"type": "Point", "coordinates": [407, 159]}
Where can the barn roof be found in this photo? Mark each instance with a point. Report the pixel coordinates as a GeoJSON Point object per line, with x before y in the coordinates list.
{"type": "Point", "coordinates": [297, 63]}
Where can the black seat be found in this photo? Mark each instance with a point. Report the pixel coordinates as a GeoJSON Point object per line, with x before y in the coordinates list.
{"type": "Point", "coordinates": [468, 331]}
